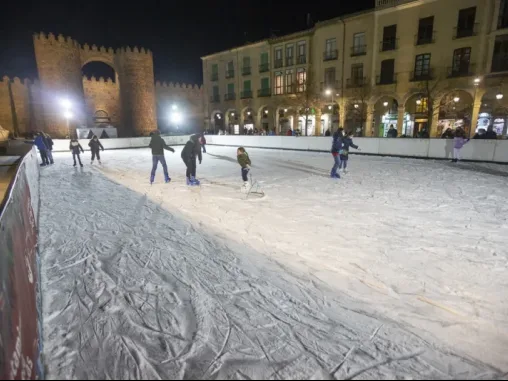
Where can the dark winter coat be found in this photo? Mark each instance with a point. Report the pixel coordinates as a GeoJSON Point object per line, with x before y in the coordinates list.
{"type": "Point", "coordinates": [202, 140]}
{"type": "Point", "coordinates": [158, 145]}
{"type": "Point", "coordinates": [393, 133]}
{"type": "Point", "coordinates": [244, 159]}
{"type": "Point", "coordinates": [75, 147]}
{"type": "Point", "coordinates": [347, 143]}
{"type": "Point", "coordinates": [95, 145]}
{"type": "Point", "coordinates": [490, 134]}
{"type": "Point", "coordinates": [48, 142]}
{"type": "Point", "coordinates": [448, 134]}
{"type": "Point", "coordinates": [39, 142]}
{"type": "Point", "coordinates": [192, 150]}
{"type": "Point", "coordinates": [337, 142]}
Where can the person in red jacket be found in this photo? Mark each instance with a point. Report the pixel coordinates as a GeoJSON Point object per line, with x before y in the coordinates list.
{"type": "Point", "coordinates": [202, 141]}
{"type": "Point", "coordinates": [289, 133]}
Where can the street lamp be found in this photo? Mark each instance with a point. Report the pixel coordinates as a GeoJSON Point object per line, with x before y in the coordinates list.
{"type": "Point", "coordinates": [385, 104]}
{"type": "Point", "coordinates": [266, 111]}
{"type": "Point", "coordinates": [328, 92]}
{"type": "Point", "coordinates": [174, 107]}
{"type": "Point", "coordinates": [499, 96]}
{"type": "Point", "coordinates": [477, 81]}
{"type": "Point", "coordinates": [456, 99]}
{"type": "Point", "coordinates": [329, 107]}
{"type": "Point", "coordinates": [357, 105]}
{"type": "Point", "coordinates": [418, 102]}
{"type": "Point", "coordinates": [68, 115]}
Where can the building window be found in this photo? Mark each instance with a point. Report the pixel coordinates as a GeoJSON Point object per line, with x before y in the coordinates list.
{"type": "Point", "coordinates": [215, 94]}
{"type": "Point", "coordinates": [290, 55]}
{"type": "Point", "coordinates": [265, 87]}
{"type": "Point", "coordinates": [500, 57]}
{"type": "Point", "coordinates": [302, 52]}
{"type": "Point", "coordinates": [278, 58]}
{"type": "Point", "coordinates": [290, 88]}
{"type": "Point", "coordinates": [215, 72]}
{"type": "Point", "coordinates": [246, 70]}
{"type": "Point", "coordinates": [422, 107]}
{"type": "Point", "coordinates": [230, 70]}
{"type": "Point", "coordinates": [301, 80]}
{"type": "Point", "coordinates": [466, 23]}
{"type": "Point", "coordinates": [389, 38]}
{"type": "Point", "coordinates": [461, 61]}
{"type": "Point", "coordinates": [425, 31]}
{"type": "Point", "coordinates": [331, 52]}
{"type": "Point", "coordinates": [230, 94]}
{"type": "Point", "coordinates": [264, 65]}
{"type": "Point", "coordinates": [359, 46]}
{"type": "Point", "coordinates": [387, 72]}
{"type": "Point", "coordinates": [422, 67]}
{"type": "Point", "coordinates": [330, 78]}
{"type": "Point", "coordinates": [247, 91]}
{"type": "Point", "coordinates": [279, 83]}
{"type": "Point", "coordinates": [502, 21]}
{"type": "Point", "coordinates": [356, 75]}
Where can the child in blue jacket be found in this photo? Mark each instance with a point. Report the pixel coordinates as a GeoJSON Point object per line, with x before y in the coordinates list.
{"type": "Point", "coordinates": [336, 147]}
{"type": "Point", "coordinates": [347, 142]}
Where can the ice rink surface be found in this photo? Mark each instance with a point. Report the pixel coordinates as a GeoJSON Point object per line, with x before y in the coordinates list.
{"type": "Point", "coordinates": [398, 270]}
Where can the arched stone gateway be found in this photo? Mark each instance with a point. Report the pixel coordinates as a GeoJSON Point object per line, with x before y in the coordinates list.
{"type": "Point", "coordinates": [455, 110]}
{"type": "Point", "coordinates": [493, 113]}
{"type": "Point", "coordinates": [416, 116]}
{"type": "Point", "coordinates": [217, 122]}
{"type": "Point", "coordinates": [248, 121]}
{"type": "Point", "coordinates": [386, 115]}
{"type": "Point", "coordinates": [232, 122]}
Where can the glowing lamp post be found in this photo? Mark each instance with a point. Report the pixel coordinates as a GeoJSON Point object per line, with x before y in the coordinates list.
{"type": "Point", "coordinates": [67, 113]}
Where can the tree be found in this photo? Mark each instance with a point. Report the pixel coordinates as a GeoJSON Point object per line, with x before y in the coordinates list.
{"type": "Point", "coordinates": [307, 97]}
{"type": "Point", "coordinates": [359, 94]}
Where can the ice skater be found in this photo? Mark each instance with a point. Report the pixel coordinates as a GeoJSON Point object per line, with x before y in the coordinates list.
{"type": "Point", "coordinates": [347, 142]}
{"type": "Point", "coordinates": [190, 152]}
{"type": "Point", "coordinates": [158, 145]}
{"type": "Point", "coordinates": [459, 141]}
{"type": "Point", "coordinates": [244, 161]}
{"type": "Point", "coordinates": [336, 147]}
{"type": "Point", "coordinates": [76, 149]}
{"type": "Point", "coordinates": [41, 146]}
{"type": "Point", "coordinates": [49, 145]}
{"type": "Point", "coordinates": [202, 141]}
{"type": "Point", "coordinates": [95, 146]}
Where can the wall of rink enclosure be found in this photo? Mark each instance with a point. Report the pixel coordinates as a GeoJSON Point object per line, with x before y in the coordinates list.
{"type": "Point", "coordinates": [475, 150]}
{"type": "Point", "coordinates": [20, 292]}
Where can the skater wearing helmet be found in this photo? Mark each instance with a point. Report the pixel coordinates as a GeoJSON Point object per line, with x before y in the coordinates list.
{"type": "Point", "coordinates": [190, 152]}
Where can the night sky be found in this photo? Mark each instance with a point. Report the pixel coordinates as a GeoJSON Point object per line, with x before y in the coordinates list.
{"type": "Point", "coordinates": [178, 33]}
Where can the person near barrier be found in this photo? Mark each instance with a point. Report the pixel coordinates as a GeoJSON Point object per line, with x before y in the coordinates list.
{"type": "Point", "coordinates": [158, 145]}
{"type": "Point", "coordinates": [336, 147]}
{"type": "Point", "coordinates": [190, 152]}
{"type": "Point", "coordinates": [49, 145]}
{"type": "Point", "coordinates": [43, 149]}
{"type": "Point", "coordinates": [347, 143]}
{"type": "Point", "coordinates": [95, 147]}
{"type": "Point", "coordinates": [202, 141]}
{"type": "Point", "coordinates": [76, 150]}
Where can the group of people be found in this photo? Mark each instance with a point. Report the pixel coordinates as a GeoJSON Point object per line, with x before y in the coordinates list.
{"type": "Point", "coordinates": [95, 148]}
{"type": "Point", "coordinates": [482, 133]}
{"type": "Point", "coordinates": [44, 144]}
{"type": "Point", "coordinates": [341, 144]}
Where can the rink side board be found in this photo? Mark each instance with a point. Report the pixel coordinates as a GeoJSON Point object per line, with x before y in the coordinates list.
{"type": "Point", "coordinates": [20, 307]}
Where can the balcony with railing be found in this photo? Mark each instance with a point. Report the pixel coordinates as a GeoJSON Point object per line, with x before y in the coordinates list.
{"type": "Point", "coordinates": [246, 94]}
{"type": "Point", "coordinates": [330, 55]}
{"type": "Point", "coordinates": [290, 61]}
{"type": "Point", "coordinates": [246, 70]}
{"type": "Point", "coordinates": [423, 75]}
{"type": "Point", "coordinates": [461, 71]}
{"type": "Point", "coordinates": [356, 82]}
{"type": "Point", "coordinates": [425, 38]}
{"type": "Point", "coordinates": [214, 77]}
{"type": "Point", "coordinates": [229, 97]}
{"type": "Point", "coordinates": [389, 44]}
{"type": "Point", "coordinates": [277, 64]}
{"type": "Point", "coordinates": [499, 63]}
{"type": "Point", "coordinates": [264, 67]}
{"type": "Point", "coordinates": [302, 60]}
{"type": "Point", "coordinates": [290, 89]}
{"type": "Point", "coordinates": [264, 92]}
{"type": "Point", "coordinates": [382, 80]}
{"type": "Point", "coordinates": [215, 98]}
{"type": "Point", "coordinates": [462, 32]}
{"type": "Point", "coordinates": [358, 50]}
{"type": "Point", "coordinates": [230, 73]}
{"type": "Point", "coordinates": [330, 85]}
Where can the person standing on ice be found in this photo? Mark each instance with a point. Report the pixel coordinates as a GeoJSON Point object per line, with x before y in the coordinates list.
{"type": "Point", "coordinates": [190, 152]}
{"type": "Point", "coordinates": [95, 146]}
{"type": "Point", "coordinates": [202, 141]}
{"type": "Point", "coordinates": [76, 149]}
{"type": "Point", "coordinates": [459, 141]}
{"type": "Point", "coordinates": [49, 144]}
{"type": "Point", "coordinates": [347, 142]}
{"type": "Point", "coordinates": [244, 161]}
{"type": "Point", "coordinates": [158, 145]}
{"type": "Point", "coordinates": [39, 143]}
{"type": "Point", "coordinates": [336, 147]}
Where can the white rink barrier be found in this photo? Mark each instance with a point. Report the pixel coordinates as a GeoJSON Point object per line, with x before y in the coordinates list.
{"type": "Point", "coordinates": [475, 150]}
{"type": "Point", "coordinates": [62, 145]}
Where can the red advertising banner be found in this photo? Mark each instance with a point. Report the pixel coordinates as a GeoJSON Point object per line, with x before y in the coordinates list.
{"type": "Point", "coordinates": [19, 332]}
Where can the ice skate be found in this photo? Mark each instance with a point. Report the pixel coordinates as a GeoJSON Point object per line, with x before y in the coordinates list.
{"type": "Point", "coordinates": [81, 165]}
{"type": "Point", "coordinates": [91, 163]}
{"type": "Point", "coordinates": [167, 180]}
{"type": "Point", "coordinates": [152, 178]}
{"type": "Point", "coordinates": [194, 181]}
{"type": "Point", "coordinates": [100, 162]}
{"type": "Point", "coordinates": [344, 171]}
{"type": "Point", "coordinates": [74, 165]}
{"type": "Point", "coordinates": [190, 183]}
{"type": "Point", "coordinates": [245, 187]}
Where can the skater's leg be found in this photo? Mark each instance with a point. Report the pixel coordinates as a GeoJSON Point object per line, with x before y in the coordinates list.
{"type": "Point", "coordinates": [245, 174]}
{"type": "Point", "coordinates": [74, 158]}
{"type": "Point", "coordinates": [193, 166]}
{"type": "Point", "coordinates": [204, 148]}
{"type": "Point", "coordinates": [98, 153]}
{"type": "Point", "coordinates": [344, 163]}
{"type": "Point", "coordinates": [50, 156]}
{"type": "Point", "coordinates": [79, 158]}
{"type": "Point", "coordinates": [155, 163]}
{"type": "Point", "coordinates": [456, 154]}
{"type": "Point", "coordinates": [336, 165]}
{"type": "Point", "coordinates": [188, 170]}
{"type": "Point", "coordinates": [93, 155]}
{"type": "Point", "coordinates": [43, 157]}
{"type": "Point", "coordinates": [164, 167]}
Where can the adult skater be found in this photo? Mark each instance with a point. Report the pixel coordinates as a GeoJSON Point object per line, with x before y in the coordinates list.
{"type": "Point", "coordinates": [347, 142]}
{"type": "Point", "coordinates": [336, 147]}
{"type": "Point", "coordinates": [202, 141]}
{"type": "Point", "coordinates": [192, 150]}
{"type": "Point", "coordinates": [95, 146]}
{"type": "Point", "coordinates": [41, 146]}
{"type": "Point", "coordinates": [158, 145]}
{"type": "Point", "coordinates": [76, 149]}
{"type": "Point", "coordinates": [458, 142]}
{"type": "Point", "coordinates": [49, 145]}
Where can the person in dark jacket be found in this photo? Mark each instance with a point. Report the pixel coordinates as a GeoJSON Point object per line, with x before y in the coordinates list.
{"type": "Point", "coordinates": [392, 132]}
{"type": "Point", "coordinates": [244, 161]}
{"type": "Point", "coordinates": [336, 147]}
{"type": "Point", "coordinates": [95, 147]}
{"type": "Point", "coordinates": [76, 149]}
{"type": "Point", "coordinates": [202, 141]}
{"type": "Point", "coordinates": [41, 146]}
{"type": "Point", "coordinates": [328, 133]}
{"type": "Point", "coordinates": [347, 143]}
{"type": "Point", "coordinates": [158, 145]}
{"type": "Point", "coordinates": [424, 133]}
{"type": "Point", "coordinates": [490, 134]}
{"type": "Point", "coordinates": [190, 152]}
{"type": "Point", "coordinates": [49, 145]}
{"type": "Point", "coordinates": [448, 134]}
{"type": "Point", "coordinates": [480, 134]}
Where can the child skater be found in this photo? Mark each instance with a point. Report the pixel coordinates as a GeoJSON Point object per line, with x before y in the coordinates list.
{"type": "Point", "coordinates": [459, 141]}
{"type": "Point", "coordinates": [245, 163]}
{"type": "Point", "coordinates": [76, 148]}
{"type": "Point", "coordinates": [95, 146]}
{"type": "Point", "coordinates": [192, 150]}
{"type": "Point", "coordinates": [202, 141]}
{"type": "Point", "coordinates": [336, 147]}
{"type": "Point", "coordinates": [347, 142]}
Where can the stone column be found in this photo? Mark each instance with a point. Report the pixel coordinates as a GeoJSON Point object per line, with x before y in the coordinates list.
{"type": "Point", "coordinates": [477, 104]}
{"type": "Point", "coordinates": [400, 119]}
{"type": "Point", "coordinates": [370, 120]}
{"type": "Point", "coordinates": [317, 130]}
{"type": "Point", "coordinates": [435, 120]}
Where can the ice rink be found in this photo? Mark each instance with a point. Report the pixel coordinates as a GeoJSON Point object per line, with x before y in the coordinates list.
{"type": "Point", "coordinates": [398, 270]}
